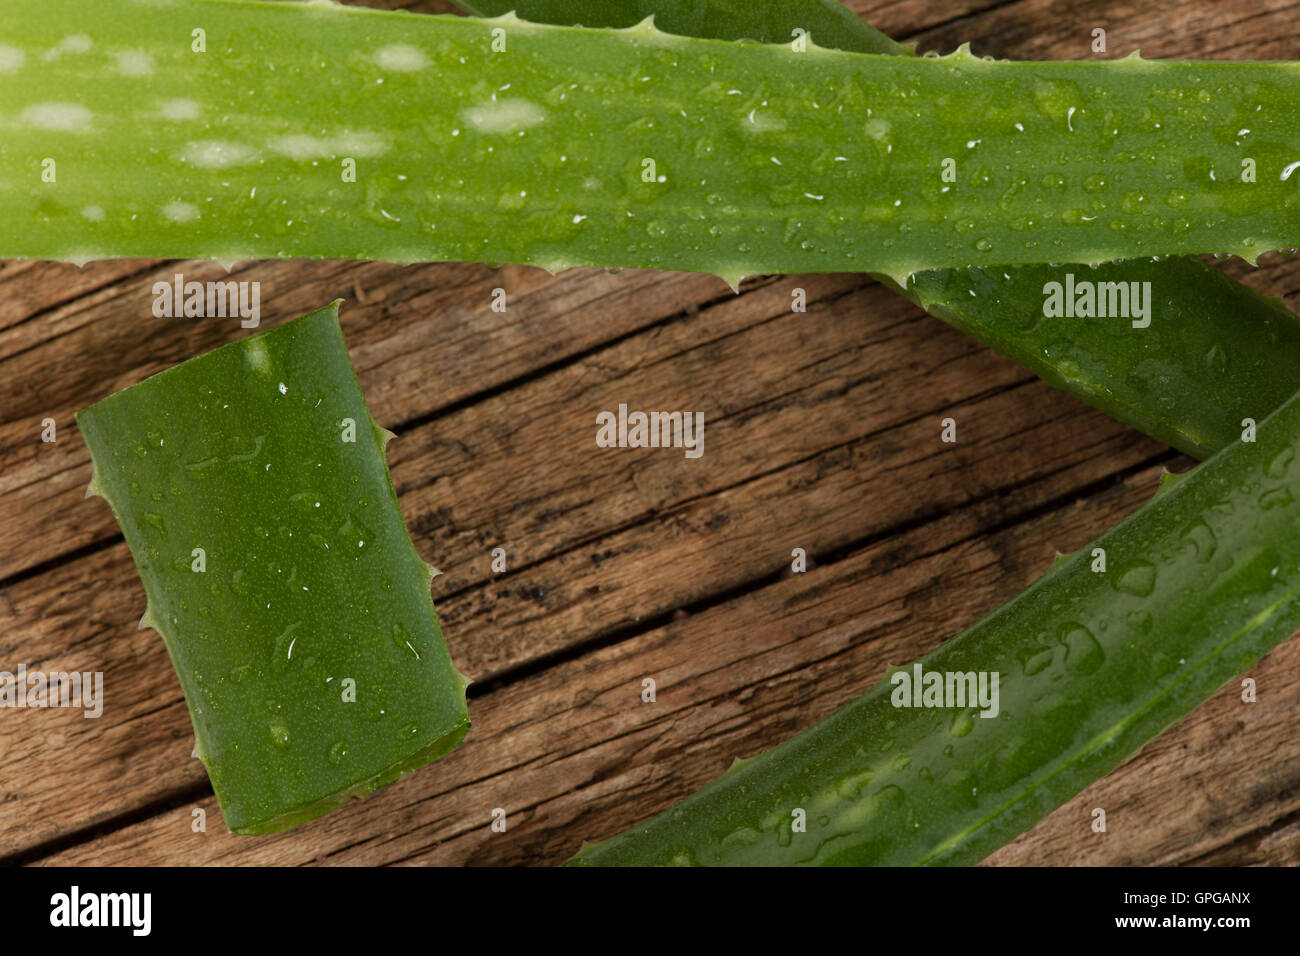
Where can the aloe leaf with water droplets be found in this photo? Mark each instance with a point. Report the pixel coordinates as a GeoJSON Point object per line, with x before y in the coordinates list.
{"type": "Point", "coordinates": [503, 141]}
{"type": "Point", "coordinates": [251, 487]}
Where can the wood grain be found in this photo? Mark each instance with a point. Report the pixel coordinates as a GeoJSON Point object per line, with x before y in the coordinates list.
{"type": "Point", "coordinates": [822, 433]}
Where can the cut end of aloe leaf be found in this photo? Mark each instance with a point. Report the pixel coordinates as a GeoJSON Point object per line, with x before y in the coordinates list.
{"type": "Point", "coordinates": [251, 487]}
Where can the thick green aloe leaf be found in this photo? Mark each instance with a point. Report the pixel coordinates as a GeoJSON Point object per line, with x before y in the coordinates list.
{"type": "Point", "coordinates": [1091, 664]}
{"type": "Point", "coordinates": [612, 148]}
{"type": "Point", "coordinates": [1215, 353]}
{"type": "Point", "coordinates": [828, 23]}
{"type": "Point", "coordinates": [1210, 352]}
{"type": "Point", "coordinates": [251, 487]}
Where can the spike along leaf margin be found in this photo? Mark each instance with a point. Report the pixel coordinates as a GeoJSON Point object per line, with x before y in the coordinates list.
{"type": "Point", "coordinates": [1090, 664]}
{"type": "Point", "coordinates": [826, 22]}
{"type": "Point", "coordinates": [1209, 352]}
{"type": "Point", "coordinates": [321, 130]}
{"type": "Point", "coordinates": [251, 487]}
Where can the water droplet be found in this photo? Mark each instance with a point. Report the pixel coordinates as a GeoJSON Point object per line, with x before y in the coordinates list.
{"type": "Point", "coordinates": [1199, 536]}
{"type": "Point", "coordinates": [1216, 358]}
{"type": "Point", "coordinates": [1010, 198]}
{"type": "Point", "coordinates": [338, 752]}
{"type": "Point", "coordinates": [850, 788]}
{"type": "Point", "coordinates": [745, 836]}
{"type": "Point", "coordinates": [354, 533]}
{"type": "Point", "coordinates": [1083, 655]}
{"type": "Point", "coordinates": [784, 832]}
{"type": "Point", "coordinates": [1132, 202]}
{"type": "Point", "coordinates": [1036, 660]}
{"type": "Point", "coordinates": [402, 638]}
{"type": "Point", "coordinates": [890, 795]}
{"type": "Point", "coordinates": [285, 644]}
{"type": "Point", "coordinates": [1141, 620]}
{"type": "Point", "coordinates": [1277, 468]}
{"type": "Point", "coordinates": [280, 734]}
{"type": "Point", "coordinates": [1138, 579]}
{"type": "Point", "coordinates": [1095, 183]}
{"type": "Point", "coordinates": [1275, 498]}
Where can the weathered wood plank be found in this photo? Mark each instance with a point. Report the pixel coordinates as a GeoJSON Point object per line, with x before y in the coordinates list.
{"type": "Point", "coordinates": [1043, 30]}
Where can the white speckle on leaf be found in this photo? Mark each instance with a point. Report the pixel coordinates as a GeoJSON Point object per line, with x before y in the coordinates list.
{"type": "Point", "coordinates": [73, 43]}
{"type": "Point", "coordinates": [351, 143]}
{"type": "Point", "coordinates": [134, 63]}
{"type": "Point", "coordinates": [181, 211]}
{"type": "Point", "coordinates": [257, 356]}
{"type": "Point", "coordinates": [300, 146]}
{"type": "Point", "coordinates": [504, 116]}
{"type": "Point", "coordinates": [68, 117]}
{"type": "Point", "coordinates": [93, 213]}
{"type": "Point", "coordinates": [363, 143]}
{"type": "Point", "coordinates": [401, 58]}
{"type": "Point", "coordinates": [764, 122]}
{"type": "Point", "coordinates": [179, 110]}
{"type": "Point", "coordinates": [11, 58]}
{"type": "Point", "coordinates": [876, 128]}
{"type": "Point", "coordinates": [215, 154]}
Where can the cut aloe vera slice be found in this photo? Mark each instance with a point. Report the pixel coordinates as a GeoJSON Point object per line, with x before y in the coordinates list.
{"type": "Point", "coordinates": [251, 486]}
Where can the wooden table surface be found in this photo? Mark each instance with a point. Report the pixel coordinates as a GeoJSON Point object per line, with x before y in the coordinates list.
{"type": "Point", "coordinates": [822, 434]}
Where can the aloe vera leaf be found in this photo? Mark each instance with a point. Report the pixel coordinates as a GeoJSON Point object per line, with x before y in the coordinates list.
{"type": "Point", "coordinates": [828, 23]}
{"type": "Point", "coordinates": [1199, 585]}
{"type": "Point", "coordinates": [759, 159]}
{"type": "Point", "coordinates": [1215, 351]}
{"type": "Point", "coordinates": [302, 632]}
